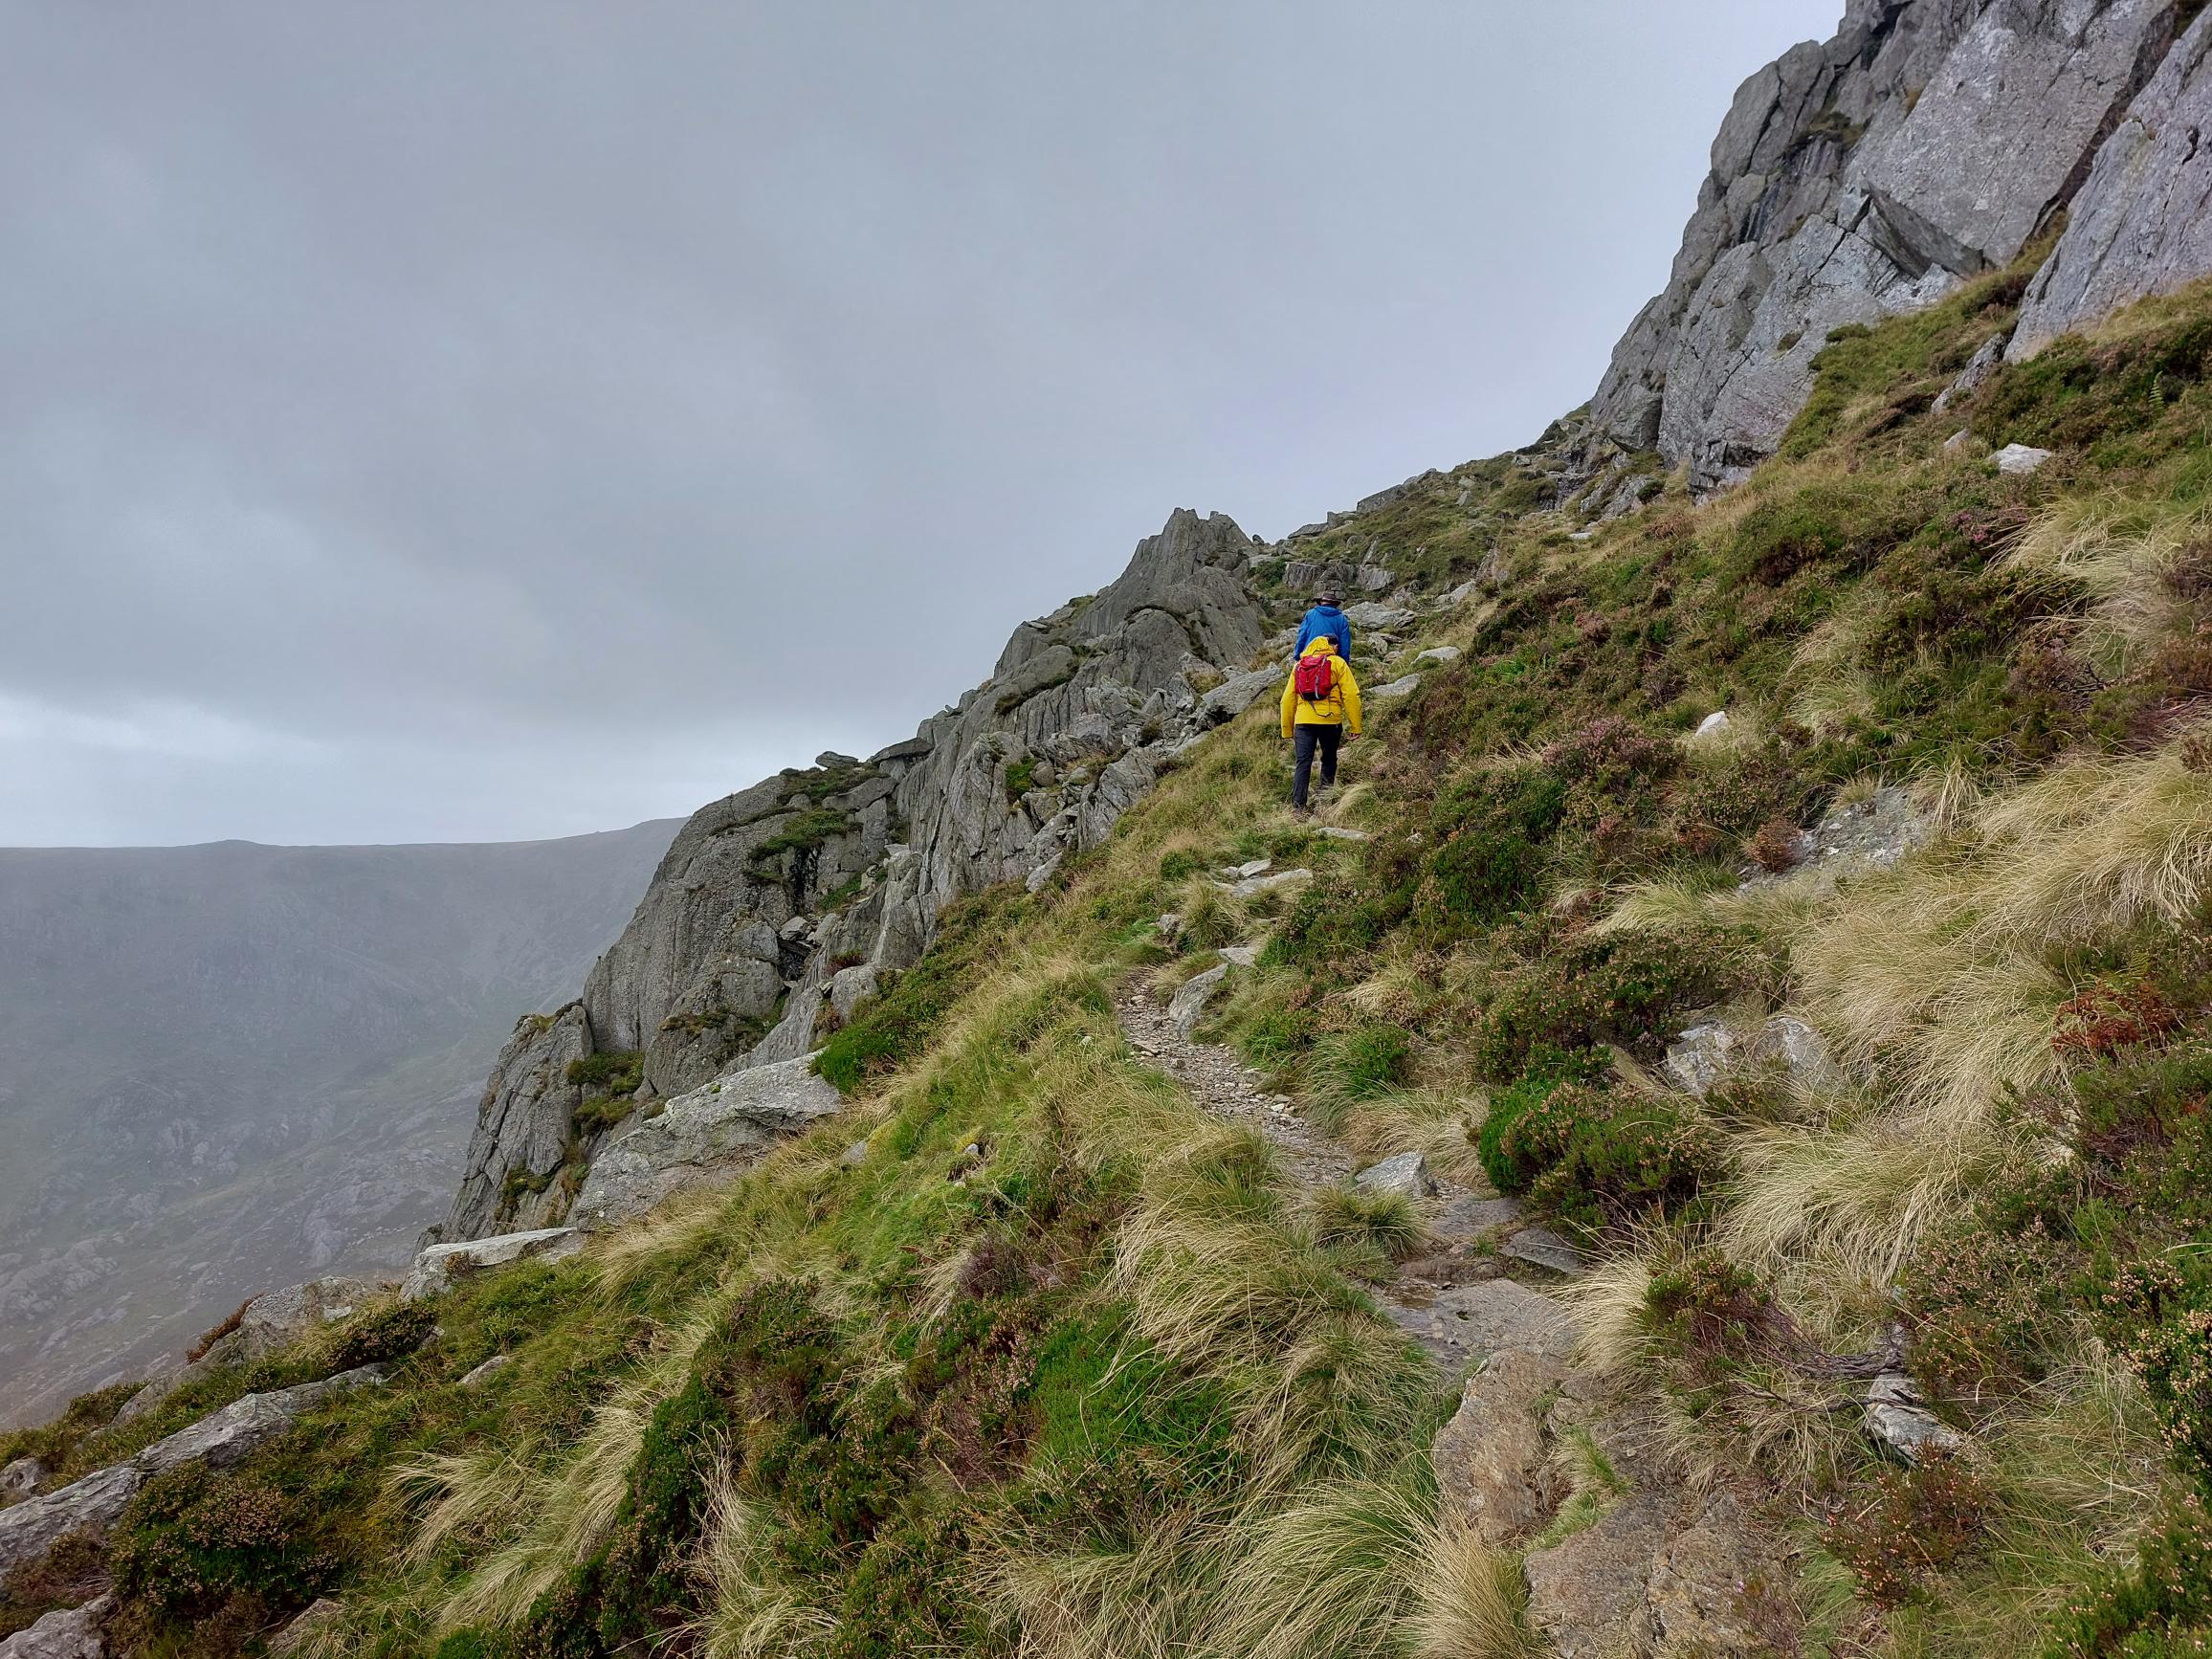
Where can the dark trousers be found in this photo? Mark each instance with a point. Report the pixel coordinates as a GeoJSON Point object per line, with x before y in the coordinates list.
{"type": "Point", "coordinates": [1306, 739]}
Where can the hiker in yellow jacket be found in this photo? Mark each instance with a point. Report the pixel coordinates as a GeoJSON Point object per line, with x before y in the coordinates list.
{"type": "Point", "coordinates": [1320, 708]}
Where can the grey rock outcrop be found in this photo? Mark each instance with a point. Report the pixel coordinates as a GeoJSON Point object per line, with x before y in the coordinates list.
{"type": "Point", "coordinates": [1978, 368]}
{"type": "Point", "coordinates": [1928, 141]}
{"type": "Point", "coordinates": [272, 1320]}
{"type": "Point", "coordinates": [1541, 1247]}
{"type": "Point", "coordinates": [1493, 1463]}
{"type": "Point", "coordinates": [1586, 1595]}
{"type": "Point", "coordinates": [70, 1634]}
{"type": "Point", "coordinates": [707, 1136]}
{"type": "Point", "coordinates": [435, 1267]}
{"type": "Point", "coordinates": [812, 888]}
{"type": "Point", "coordinates": [1706, 1053]}
{"type": "Point", "coordinates": [2142, 223]}
{"type": "Point", "coordinates": [522, 1122]}
{"type": "Point", "coordinates": [30, 1528]}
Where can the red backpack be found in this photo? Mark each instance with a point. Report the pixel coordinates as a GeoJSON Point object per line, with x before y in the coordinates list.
{"type": "Point", "coordinates": [1316, 677]}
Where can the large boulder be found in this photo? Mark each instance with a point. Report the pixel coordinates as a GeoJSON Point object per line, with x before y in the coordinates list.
{"type": "Point", "coordinates": [705, 1137]}
{"type": "Point", "coordinates": [2142, 224]}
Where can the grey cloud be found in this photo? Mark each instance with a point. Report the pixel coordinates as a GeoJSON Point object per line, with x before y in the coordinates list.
{"type": "Point", "coordinates": [509, 419]}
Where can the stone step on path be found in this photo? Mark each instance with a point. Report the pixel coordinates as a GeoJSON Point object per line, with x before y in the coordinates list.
{"type": "Point", "coordinates": [1456, 1302]}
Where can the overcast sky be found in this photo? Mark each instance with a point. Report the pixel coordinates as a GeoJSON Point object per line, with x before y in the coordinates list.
{"type": "Point", "coordinates": [481, 420]}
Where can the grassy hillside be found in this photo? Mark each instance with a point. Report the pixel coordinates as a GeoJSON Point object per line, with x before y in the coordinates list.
{"type": "Point", "coordinates": [1023, 1352]}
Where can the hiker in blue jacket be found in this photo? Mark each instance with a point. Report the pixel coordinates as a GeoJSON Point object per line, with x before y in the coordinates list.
{"type": "Point", "coordinates": [1326, 618]}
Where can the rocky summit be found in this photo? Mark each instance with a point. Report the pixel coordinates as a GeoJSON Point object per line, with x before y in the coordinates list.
{"type": "Point", "coordinates": [1696, 1145]}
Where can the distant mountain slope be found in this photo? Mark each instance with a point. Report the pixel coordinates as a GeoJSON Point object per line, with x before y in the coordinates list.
{"type": "Point", "coordinates": [227, 1066]}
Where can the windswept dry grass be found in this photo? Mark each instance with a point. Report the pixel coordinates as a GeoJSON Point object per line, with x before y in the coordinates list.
{"type": "Point", "coordinates": [748, 1614]}
{"type": "Point", "coordinates": [2124, 557]}
{"type": "Point", "coordinates": [552, 1509]}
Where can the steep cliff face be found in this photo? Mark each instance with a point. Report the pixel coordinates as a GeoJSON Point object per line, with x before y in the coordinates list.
{"type": "Point", "coordinates": [796, 895]}
{"type": "Point", "coordinates": [1928, 141]}
{"type": "Point", "coordinates": [2142, 224]}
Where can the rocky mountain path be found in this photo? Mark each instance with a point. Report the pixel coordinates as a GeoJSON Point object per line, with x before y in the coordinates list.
{"type": "Point", "coordinates": [1619, 1558]}
{"type": "Point", "coordinates": [1457, 1299]}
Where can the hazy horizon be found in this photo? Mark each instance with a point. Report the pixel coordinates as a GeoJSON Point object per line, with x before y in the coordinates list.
{"type": "Point", "coordinates": [510, 421]}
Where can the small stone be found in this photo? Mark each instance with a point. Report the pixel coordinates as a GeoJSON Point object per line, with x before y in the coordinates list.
{"type": "Point", "coordinates": [2019, 460]}
{"type": "Point", "coordinates": [1700, 1057]}
{"type": "Point", "coordinates": [792, 929]}
{"type": "Point", "coordinates": [1257, 867]}
{"type": "Point", "coordinates": [1242, 955]}
{"type": "Point", "coordinates": [1406, 1173]}
{"type": "Point", "coordinates": [477, 1377]}
{"type": "Point", "coordinates": [1541, 1247]}
{"type": "Point", "coordinates": [320, 1616]}
{"type": "Point", "coordinates": [1337, 832]}
{"type": "Point", "coordinates": [1901, 1423]}
{"type": "Point", "coordinates": [1440, 655]}
{"type": "Point", "coordinates": [1713, 725]}
{"type": "Point", "coordinates": [1170, 923]}
{"type": "Point", "coordinates": [1958, 441]}
{"type": "Point", "coordinates": [21, 1477]}
{"type": "Point", "coordinates": [854, 1155]}
{"type": "Point", "coordinates": [1253, 886]}
{"type": "Point", "coordinates": [1397, 689]}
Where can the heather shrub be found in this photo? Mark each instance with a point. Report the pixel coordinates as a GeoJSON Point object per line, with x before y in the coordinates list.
{"type": "Point", "coordinates": [1915, 1523]}
{"type": "Point", "coordinates": [201, 1544]}
{"type": "Point", "coordinates": [1592, 990]}
{"type": "Point", "coordinates": [1595, 1157]}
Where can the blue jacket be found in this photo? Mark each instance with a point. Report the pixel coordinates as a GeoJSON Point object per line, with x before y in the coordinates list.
{"type": "Point", "coordinates": [1329, 620]}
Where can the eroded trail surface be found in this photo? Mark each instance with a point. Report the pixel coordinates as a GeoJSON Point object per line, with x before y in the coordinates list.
{"type": "Point", "coordinates": [1619, 1558]}
{"type": "Point", "coordinates": [1457, 1299]}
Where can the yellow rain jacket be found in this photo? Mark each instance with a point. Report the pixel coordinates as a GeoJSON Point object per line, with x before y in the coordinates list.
{"type": "Point", "coordinates": [1339, 708]}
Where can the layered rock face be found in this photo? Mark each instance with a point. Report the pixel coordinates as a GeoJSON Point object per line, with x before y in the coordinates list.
{"type": "Point", "coordinates": [1929, 141]}
{"type": "Point", "coordinates": [800, 894]}
{"type": "Point", "coordinates": [2142, 224]}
